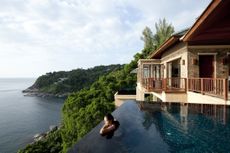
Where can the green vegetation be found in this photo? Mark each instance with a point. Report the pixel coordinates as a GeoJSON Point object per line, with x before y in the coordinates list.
{"type": "Point", "coordinates": [163, 32]}
{"type": "Point", "coordinates": [70, 81]}
{"type": "Point", "coordinates": [152, 42]}
{"type": "Point", "coordinates": [84, 109]}
{"type": "Point", "coordinates": [51, 144]}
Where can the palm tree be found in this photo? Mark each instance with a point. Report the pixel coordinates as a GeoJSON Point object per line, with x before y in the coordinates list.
{"type": "Point", "coordinates": [163, 32]}
{"type": "Point", "coordinates": [152, 42]}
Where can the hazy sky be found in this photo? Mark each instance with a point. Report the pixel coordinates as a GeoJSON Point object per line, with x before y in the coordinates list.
{"type": "Point", "coordinates": [39, 36]}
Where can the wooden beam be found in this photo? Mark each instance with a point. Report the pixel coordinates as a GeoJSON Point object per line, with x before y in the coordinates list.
{"type": "Point", "coordinates": [201, 19]}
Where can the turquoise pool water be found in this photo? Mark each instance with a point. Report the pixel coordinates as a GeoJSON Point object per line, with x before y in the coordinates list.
{"type": "Point", "coordinates": [193, 128]}
{"type": "Point", "coordinates": [162, 128]}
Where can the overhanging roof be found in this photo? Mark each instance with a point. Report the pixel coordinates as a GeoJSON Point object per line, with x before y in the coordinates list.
{"type": "Point", "coordinates": [211, 28]}
{"type": "Point", "coordinates": [213, 25]}
{"type": "Point", "coordinates": [169, 42]}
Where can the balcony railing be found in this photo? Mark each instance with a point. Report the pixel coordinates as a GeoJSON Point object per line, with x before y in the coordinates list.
{"type": "Point", "coordinates": [165, 84]}
{"type": "Point", "coordinates": [176, 84]}
{"type": "Point", "coordinates": [217, 87]}
{"type": "Point", "coordinates": [153, 84]}
{"type": "Point", "coordinates": [209, 86]}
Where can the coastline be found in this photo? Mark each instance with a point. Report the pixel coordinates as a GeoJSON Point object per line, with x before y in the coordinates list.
{"type": "Point", "coordinates": [22, 117]}
{"type": "Point", "coordinates": [43, 135]}
{"type": "Point", "coordinates": [35, 92]}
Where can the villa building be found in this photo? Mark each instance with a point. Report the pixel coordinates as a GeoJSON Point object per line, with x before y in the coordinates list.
{"type": "Point", "coordinates": [193, 65]}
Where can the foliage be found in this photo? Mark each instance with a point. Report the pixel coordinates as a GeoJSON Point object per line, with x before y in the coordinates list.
{"type": "Point", "coordinates": [151, 42]}
{"type": "Point", "coordinates": [68, 82]}
{"type": "Point", "coordinates": [83, 110]}
{"type": "Point", "coordinates": [163, 32]}
{"type": "Point", "coordinates": [148, 41]}
{"type": "Point", "coordinates": [50, 144]}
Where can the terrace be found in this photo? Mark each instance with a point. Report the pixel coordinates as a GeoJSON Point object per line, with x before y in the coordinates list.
{"type": "Point", "coordinates": [216, 87]}
{"type": "Point", "coordinates": [168, 85]}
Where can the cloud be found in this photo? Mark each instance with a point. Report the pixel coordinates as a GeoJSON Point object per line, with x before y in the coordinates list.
{"type": "Point", "coordinates": [38, 36]}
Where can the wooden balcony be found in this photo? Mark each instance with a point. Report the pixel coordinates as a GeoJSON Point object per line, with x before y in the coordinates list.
{"type": "Point", "coordinates": [165, 84]}
{"type": "Point", "coordinates": [217, 87]}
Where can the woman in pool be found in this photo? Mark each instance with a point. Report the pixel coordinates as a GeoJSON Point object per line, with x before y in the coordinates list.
{"type": "Point", "coordinates": [110, 126]}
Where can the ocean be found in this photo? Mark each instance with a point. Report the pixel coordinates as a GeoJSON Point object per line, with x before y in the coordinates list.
{"type": "Point", "coordinates": [21, 117]}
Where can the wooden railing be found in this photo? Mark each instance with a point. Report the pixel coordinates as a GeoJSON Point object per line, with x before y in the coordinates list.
{"type": "Point", "coordinates": [165, 84]}
{"type": "Point", "coordinates": [153, 84]}
{"type": "Point", "coordinates": [217, 87]}
{"type": "Point", "coordinates": [210, 86]}
{"type": "Point", "coordinates": [176, 84]}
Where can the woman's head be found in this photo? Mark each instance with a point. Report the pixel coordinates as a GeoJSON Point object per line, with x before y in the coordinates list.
{"type": "Point", "coordinates": [108, 119]}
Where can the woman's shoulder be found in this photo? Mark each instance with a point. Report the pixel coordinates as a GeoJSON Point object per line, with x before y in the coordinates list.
{"type": "Point", "coordinates": [116, 123]}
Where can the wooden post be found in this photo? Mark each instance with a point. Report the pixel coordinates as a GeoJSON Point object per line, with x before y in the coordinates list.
{"type": "Point", "coordinates": [164, 84]}
{"type": "Point", "coordinates": [147, 83]}
{"type": "Point", "coordinates": [225, 89]}
{"type": "Point", "coordinates": [186, 82]}
{"type": "Point", "coordinates": [202, 85]}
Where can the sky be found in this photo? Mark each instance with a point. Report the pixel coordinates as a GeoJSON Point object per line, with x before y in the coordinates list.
{"type": "Point", "coordinates": [40, 36]}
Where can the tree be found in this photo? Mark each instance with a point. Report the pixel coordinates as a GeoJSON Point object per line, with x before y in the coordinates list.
{"type": "Point", "coordinates": [151, 42]}
{"type": "Point", "coordinates": [163, 31]}
{"type": "Point", "coordinates": [147, 37]}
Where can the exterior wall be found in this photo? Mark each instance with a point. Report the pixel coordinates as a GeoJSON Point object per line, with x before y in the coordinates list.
{"type": "Point", "coordinates": [221, 68]}
{"type": "Point", "coordinates": [140, 93]}
{"type": "Point", "coordinates": [176, 52]}
{"type": "Point", "coordinates": [198, 98]}
{"type": "Point", "coordinates": [141, 64]}
{"type": "Point", "coordinates": [120, 99]}
{"type": "Point", "coordinates": [176, 97]}
{"type": "Point", "coordinates": [171, 97]}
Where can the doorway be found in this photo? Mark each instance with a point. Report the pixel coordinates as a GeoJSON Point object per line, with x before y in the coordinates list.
{"type": "Point", "coordinates": [228, 72]}
{"type": "Point", "coordinates": [206, 66]}
{"type": "Point", "coordinates": [174, 74]}
{"type": "Point", "coordinates": [206, 71]}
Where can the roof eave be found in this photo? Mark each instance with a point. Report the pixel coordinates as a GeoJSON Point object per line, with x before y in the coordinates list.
{"type": "Point", "coordinates": [164, 46]}
{"type": "Point", "coordinates": [201, 19]}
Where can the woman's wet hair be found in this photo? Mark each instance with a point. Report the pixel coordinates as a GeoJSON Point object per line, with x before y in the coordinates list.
{"type": "Point", "coordinates": [109, 117]}
{"type": "Point", "coordinates": [110, 134]}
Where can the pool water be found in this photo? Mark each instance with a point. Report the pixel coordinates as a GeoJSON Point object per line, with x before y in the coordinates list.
{"type": "Point", "coordinates": [162, 128]}
{"type": "Point", "coordinates": [194, 128]}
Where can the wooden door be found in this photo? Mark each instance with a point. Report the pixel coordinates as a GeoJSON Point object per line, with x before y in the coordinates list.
{"type": "Point", "coordinates": [229, 67]}
{"type": "Point", "coordinates": [206, 66]}
{"type": "Point", "coordinates": [206, 70]}
{"type": "Point", "coordinates": [228, 72]}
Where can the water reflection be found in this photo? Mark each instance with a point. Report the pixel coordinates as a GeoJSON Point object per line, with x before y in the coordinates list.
{"type": "Point", "coordinates": [183, 126]}
{"type": "Point", "coordinates": [184, 116]}
{"type": "Point", "coordinates": [216, 112]}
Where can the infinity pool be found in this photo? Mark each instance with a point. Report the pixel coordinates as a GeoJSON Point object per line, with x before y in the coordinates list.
{"type": "Point", "coordinates": [162, 128]}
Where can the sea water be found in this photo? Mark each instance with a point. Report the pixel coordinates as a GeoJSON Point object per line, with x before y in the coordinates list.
{"type": "Point", "coordinates": [21, 117]}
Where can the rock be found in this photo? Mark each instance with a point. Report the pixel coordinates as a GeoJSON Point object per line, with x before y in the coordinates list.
{"type": "Point", "coordinates": [35, 92]}
{"type": "Point", "coordinates": [53, 127]}
{"type": "Point", "coordinates": [38, 137]}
